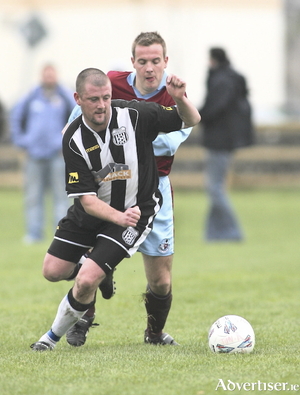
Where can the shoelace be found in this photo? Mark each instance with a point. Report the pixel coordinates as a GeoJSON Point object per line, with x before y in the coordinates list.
{"type": "Point", "coordinates": [82, 327]}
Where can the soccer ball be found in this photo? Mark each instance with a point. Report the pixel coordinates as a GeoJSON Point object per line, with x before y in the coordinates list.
{"type": "Point", "coordinates": [231, 334]}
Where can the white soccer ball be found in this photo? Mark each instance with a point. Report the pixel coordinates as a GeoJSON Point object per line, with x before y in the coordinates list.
{"type": "Point", "coordinates": [231, 334]}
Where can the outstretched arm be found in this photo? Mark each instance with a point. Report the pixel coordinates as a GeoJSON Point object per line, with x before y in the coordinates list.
{"type": "Point", "coordinates": [176, 88]}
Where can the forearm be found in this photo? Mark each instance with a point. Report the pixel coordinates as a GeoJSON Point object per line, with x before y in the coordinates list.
{"type": "Point", "coordinates": [187, 112]}
{"type": "Point", "coordinates": [176, 88]}
{"type": "Point", "coordinates": [99, 209]}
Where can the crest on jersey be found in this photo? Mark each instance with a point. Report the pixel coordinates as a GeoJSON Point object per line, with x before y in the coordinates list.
{"type": "Point", "coordinates": [120, 136]}
{"type": "Point", "coordinates": [129, 235]}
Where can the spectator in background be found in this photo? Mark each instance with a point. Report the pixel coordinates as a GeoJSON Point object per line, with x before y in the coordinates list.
{"type": "Point", "coordinates": [3, 122]}
{"type": "Point", "coordinates": [36, 123]}
{"type": "Point", "coordinates": [226, 126]}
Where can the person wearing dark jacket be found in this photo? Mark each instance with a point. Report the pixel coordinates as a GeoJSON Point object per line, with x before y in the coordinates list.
{"type": "Point", "coordinates": [226, 126]}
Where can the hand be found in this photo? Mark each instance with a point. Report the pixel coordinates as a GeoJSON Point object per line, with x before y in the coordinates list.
{"type": "Point", "coordinates": [131, 217]}
{"type": "Point", "coordinates": [186, 110]}
{"type": "Point", "coordinates": [175, 86]}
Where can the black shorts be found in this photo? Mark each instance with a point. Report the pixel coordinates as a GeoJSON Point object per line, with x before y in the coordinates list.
{"type": "Point", "coordinates": [110, 242]}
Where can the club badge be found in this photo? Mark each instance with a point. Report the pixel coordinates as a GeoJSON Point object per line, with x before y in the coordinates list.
{"type": "Point", "coordinates": [120, 136]}
{"type": "Point", "coordinates": [129, 235]}
{"type": "Point", "coordinates": [164, 246]}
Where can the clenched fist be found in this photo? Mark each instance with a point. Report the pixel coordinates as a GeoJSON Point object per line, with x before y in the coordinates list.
{"type": "Point", "coordinates": [131, 216]}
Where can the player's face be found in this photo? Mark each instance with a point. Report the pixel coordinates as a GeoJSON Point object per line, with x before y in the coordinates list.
{"type": "Point", "coordinates": [95, 104]}
{"type": "Point", "coordinates": [149, 63]}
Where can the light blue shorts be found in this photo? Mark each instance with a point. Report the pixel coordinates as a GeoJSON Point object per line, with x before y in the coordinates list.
{"type": "Point", "coordinates": [160, 241]}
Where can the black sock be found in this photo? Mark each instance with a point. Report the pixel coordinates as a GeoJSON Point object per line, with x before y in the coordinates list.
{"type": "Point", "coordinates": [157, 308]}
{"type": "Point", "coordinates": [77, 305]}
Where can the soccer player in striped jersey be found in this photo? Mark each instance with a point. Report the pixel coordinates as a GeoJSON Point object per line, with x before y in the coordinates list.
{"type": "Point", "coordinates": [111, 174]}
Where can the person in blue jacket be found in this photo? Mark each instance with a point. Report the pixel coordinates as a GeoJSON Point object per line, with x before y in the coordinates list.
{"type": "Point", "coordinates": [36, 122]}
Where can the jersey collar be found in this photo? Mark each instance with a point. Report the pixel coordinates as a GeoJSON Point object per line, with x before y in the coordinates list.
{"type": "Point", "coordinates": [131, 79]}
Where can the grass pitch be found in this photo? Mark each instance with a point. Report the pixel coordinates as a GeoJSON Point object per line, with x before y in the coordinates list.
{"type": "Point", "coordinates": [257, 279]}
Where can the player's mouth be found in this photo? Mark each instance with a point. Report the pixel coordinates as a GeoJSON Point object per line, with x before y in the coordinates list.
{"type": "Point", "coordinates": [150, 79]}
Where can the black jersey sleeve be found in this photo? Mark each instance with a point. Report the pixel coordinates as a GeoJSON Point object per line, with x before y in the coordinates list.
{"type": "Point", "coordinates": [152, 118]}
{"type": "Point", "coordinates": [79, 179]}
{"type": "Point", "coordinates": [161, 119]}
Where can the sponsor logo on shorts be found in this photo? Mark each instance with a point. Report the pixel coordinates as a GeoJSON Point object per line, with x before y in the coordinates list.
{"type": "Point", "coordinates": [129, 235]}
{"type": "Point", "coordinates": [164, 245]}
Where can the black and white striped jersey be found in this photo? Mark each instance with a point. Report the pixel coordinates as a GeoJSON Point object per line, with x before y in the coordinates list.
{"type": "Point", "coordinates": [118, 164]}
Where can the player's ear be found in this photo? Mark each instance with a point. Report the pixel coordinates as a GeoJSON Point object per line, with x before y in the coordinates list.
{"type": "Point", "coordinates": [76, 97]}
{"type": "Point", "coordinates": [132, 61]}
{"type": "Point", "coordinates": [166, 61]}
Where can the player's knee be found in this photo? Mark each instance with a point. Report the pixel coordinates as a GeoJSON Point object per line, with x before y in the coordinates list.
{"type": "Point", "coordinates": [160, 282]}
{"type": "Point", "coordinates": [160, 287]}
{"type": "Point", "coordinates": [86, 281]}
{"type": "Point", "coordinates": [85, 286]}
{"type": "Point", "coordinates": [53, 270]}
{"type": "Point", "coordinates": [50, 274]}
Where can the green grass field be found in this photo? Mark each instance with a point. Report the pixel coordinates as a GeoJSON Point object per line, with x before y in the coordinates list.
{"type": "Point", "coordinates": [257, 279]}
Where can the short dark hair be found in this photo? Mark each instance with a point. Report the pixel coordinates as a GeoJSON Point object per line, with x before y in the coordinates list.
{"type": "Point", "coordinates": [146, 39]}
{"type": "Point", "coordinates": [95, 76]}
{"type": "Point", "coordinates": [219, 55]}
